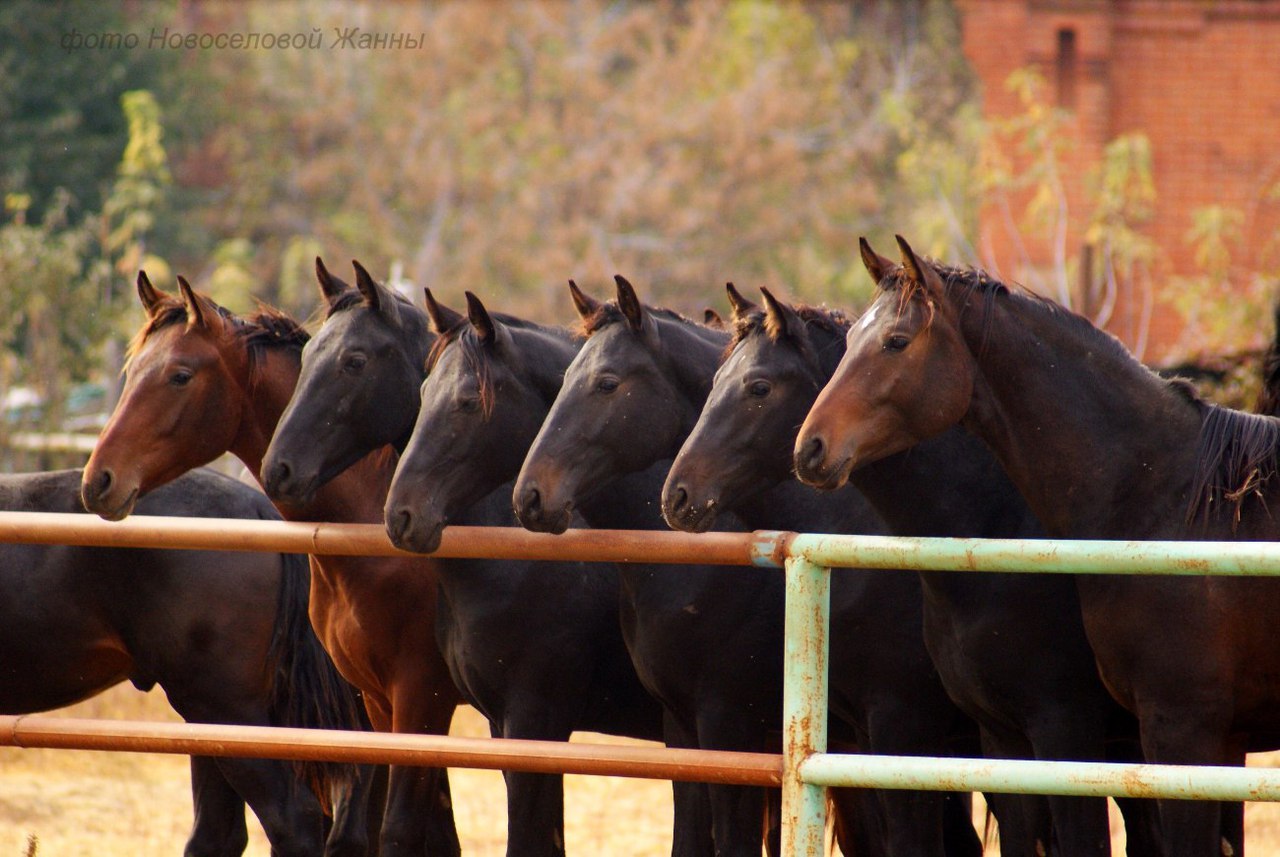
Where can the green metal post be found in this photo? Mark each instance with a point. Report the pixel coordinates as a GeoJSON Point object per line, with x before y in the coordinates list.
{"type": "Point", "coordinates": [804, 705]}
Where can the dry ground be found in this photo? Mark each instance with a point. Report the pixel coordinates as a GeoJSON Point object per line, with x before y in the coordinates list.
{"type": "Point", "coordinates": [72, 804]}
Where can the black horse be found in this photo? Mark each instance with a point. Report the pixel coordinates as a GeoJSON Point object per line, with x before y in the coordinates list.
{"type": "Point", "coordinates": [225, 635]}
{"type": "Point", "coordinates": [628, 401]}
{"type": "Point", "coordinates": [534, 646]}
{"type": "Point", "coordinates": [1038, 697]}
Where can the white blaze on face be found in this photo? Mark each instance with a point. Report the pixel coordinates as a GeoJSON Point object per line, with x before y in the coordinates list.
{"type": "Point", "coordinates": [869, 318]}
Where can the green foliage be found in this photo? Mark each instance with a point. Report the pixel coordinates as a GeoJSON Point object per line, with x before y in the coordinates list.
{"type": "Point", "coordinates": [50, 318]}
{"type": "Point", "coordinates": [141, 179]}
{"type": "Point", "coordinates": [1220, 300]}
{"type": "Point", "coordinates": [60, 124]}
{"type": "Point", "coordinates": [527, 143]}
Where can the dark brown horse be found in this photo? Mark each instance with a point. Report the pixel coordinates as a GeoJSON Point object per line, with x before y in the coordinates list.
{"type": "Point", "coordinates": [202, 381]}
{"type": "Point", "coordinates": [535, 646]}
{"type": "Point", "coordinates": [1101, 448]}
{"type": "Point", "coordinates": [629, 400]}
{"type": "Point", "coordinates": [1039, 698]}
{"type": "Point", "coordinates": [225, 635]}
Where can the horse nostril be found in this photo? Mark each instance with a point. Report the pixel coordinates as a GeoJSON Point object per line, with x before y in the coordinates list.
{"type": "Point", "coordinates": [679, 499]}
{"type": "Point", "coordinates": [530, 508]}
{"type": "Point", "coordinates": [809, 456]}
{"type": "Point", "coordinates": [398, 524]}
{"type": "Point", "coordinates": [99, 485]}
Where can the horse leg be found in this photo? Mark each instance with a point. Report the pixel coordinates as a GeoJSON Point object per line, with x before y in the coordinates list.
{"type": "Point", "coordinates": [219, 828]}
{"type": "Point", "coordinates": [357, 813]}
{"type": "Point", "coordinates": [691, 803]}
{"type": "Point", "coordinates": [1081, 825]}
{"type": "Point", "coordinates": [859, 822]}
{"type": "Point", "coordinates": [290, 814]}
{"type": "Point", "coordinates": [1025, 827]}
{"type": "Point", "coordinates": [419, 812]}
{"type": "Point", "coordinates": [737, 812]}
{"type": "Point", "coordinates": [1141, 815]}
{"type": "Point", "coordinates": [535, 802]}
{"type": "Point", "coordinates": [1191, 828]}
{"type": "Point", "coordinates": [914, 819]}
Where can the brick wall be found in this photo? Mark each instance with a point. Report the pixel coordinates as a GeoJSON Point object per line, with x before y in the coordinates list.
{"type": "Point", "coordinates": [1201, 78]}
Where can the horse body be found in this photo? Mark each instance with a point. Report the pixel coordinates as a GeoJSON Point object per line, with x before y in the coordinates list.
{"type": "Point", "coordinates": [225, 636]}
{"type": "Point", "coordinates": [629, 400]}
{"type": "Point", "coordinates": [1101, 448]}
{"type": "Point", "coordinates": [373, 615]}
{"type": "Point", "coordinates": [1043, 700]}
{"type": "Point", "coordinates": [535, 646]}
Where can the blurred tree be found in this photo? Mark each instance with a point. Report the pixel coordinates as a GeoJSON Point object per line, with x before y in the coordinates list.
{"type": "Point", "coordinates": [60, 122]}
{"type": "Point", "coordinates": [526, 143]}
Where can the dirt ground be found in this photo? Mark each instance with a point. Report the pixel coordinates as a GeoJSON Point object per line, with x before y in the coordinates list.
{"type": "Point", "coordinates": [65, 803]}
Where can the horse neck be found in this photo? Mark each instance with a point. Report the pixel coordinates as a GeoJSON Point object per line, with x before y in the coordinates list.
{"type": "Point", "coordinates": [690, 355]}
{"type": "Point", "coordinates": [355, 496]}
{"type": "Point", "coordinates": [544, 354]}
{"type": "Point", "coordinates": [950, 485]}
{"type": "Point", "coordinates": [789, 505]}
{"type": "Point", "coordinates": [1096, 443]}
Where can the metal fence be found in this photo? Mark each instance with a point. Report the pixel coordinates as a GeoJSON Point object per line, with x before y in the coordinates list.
{"type": "Point", "coordinates": [803, 770]}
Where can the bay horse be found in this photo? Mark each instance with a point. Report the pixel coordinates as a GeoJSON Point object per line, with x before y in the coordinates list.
{"type": "Point", "coordinates": [1101, 448]}
{"type": "Point", "coordinates": [1043, 700]}
{"type": "Point", "coordinates": [201, 381]}
{"type": "Point", "coordinates": [628, 401]}
{"type": "Point", "coordinates": [535, 646]}
{"type": "Point", "coordinates": [225, 635]}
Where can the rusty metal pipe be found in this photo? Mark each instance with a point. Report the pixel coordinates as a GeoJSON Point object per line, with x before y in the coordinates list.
{"type": "Point", "coordinates": [763, 548]}
{"type": "Point", "coordinates": [266, 742]}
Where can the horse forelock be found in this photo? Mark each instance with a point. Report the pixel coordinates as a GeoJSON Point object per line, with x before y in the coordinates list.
{"type": "Point", "coordinates": [758, 322]}
{"type": "Point", "coordinates": [168, 311]}
{"type": "Point", "coordinates": [1236, 460]}
{"type": "Point", "coordinates": [609, 313]}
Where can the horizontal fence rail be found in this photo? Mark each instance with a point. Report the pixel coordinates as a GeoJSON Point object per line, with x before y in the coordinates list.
{"type": "Point", "coordinates": [768, 548]}
{"type": "Point", "coordinates": [803, 770]}
{"type": "Point", "coordinates": [381, 748]}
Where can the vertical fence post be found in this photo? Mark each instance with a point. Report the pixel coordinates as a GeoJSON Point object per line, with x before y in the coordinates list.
{"type": "Point", "coordinates": [804, 704]}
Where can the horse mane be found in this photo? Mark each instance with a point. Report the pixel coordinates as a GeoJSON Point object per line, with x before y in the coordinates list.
{"type": "Point", "coordinates": [272, 327]}
{"type": "Point", "coordinates": [474, 352]}
{"type": "Point", "coordinates": [354, 297]}
{"type": "Point", "coordinates": [609, 312]}
{"type": "Point", "coordinates": [268, 327]}
{"type": "Point", "coordinates": [758, 321]}
{"type": "Point", "coordinates": [1236, 459]}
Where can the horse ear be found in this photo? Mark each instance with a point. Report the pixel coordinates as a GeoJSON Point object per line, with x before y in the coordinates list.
{"type": "Point", "coordinates": [195, 313]}
{"type": "Point", "coordinates": [909, 261]}
{"type": "Point", "coordinates": [877, 266]}
{"type": "Point", "coordinates": [582, 302]}
{"type": "Point", "coordinates": [330, 286]}
{"type": "Point", "coordinates": [442, 318]}
{"type": "Point", "coordinates": [781, 318]}
{"type": "Point", "coordinates": [368, 288]}
{"type": "Point", "coordinates": [480, 320]}
{"type": "Point", "coordinates": [741, 306]}
{"type": "Point", "coordinates": [148, 294]}
{"type": "Point", "coordinates": [630, 305]}
{"type": "Point", "coordinates": [711, 318]}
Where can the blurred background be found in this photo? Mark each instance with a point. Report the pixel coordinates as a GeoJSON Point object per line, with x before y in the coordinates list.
{"type": "Point", "coordinates": [1116, 155]}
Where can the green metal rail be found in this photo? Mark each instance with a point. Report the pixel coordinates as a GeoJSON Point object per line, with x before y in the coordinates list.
{"type": "Point", "coordinates": [807, 769]}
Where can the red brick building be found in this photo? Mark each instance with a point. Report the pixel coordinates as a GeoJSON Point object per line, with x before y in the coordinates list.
{"type": "Point", "coordinates": [1201, 78]}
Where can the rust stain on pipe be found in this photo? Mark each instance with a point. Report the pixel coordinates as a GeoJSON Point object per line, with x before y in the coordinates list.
{"type": "Point", "coordinates": [644, 762]}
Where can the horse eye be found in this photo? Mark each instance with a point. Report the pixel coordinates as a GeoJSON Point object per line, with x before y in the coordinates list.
{"type": "Point", "coordinates": [607, 384]}
{"type": "Point", "coordinates": [181, 377]}
{"type": "Point", "coordinates": [896, 342]}
{"type": "Point", "coordinates": [759, 389]}
{"type": "Point", "coordinates": [354, 362]}
{"type": "Point", "coordinates": [469, 405]}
